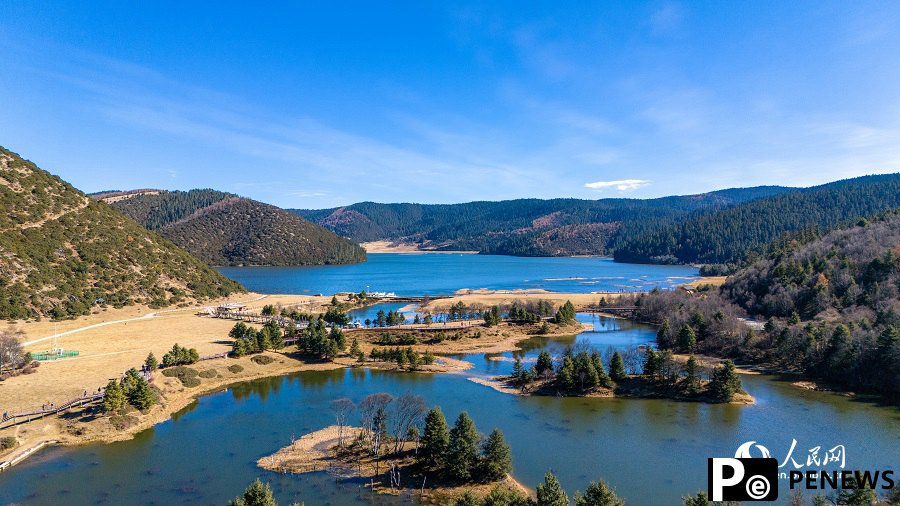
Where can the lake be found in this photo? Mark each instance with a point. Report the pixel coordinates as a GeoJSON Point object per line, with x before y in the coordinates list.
{"type": "Point", "coordinates": [652, 451]}
{"type": "Point", "coordinates": [442, 274]}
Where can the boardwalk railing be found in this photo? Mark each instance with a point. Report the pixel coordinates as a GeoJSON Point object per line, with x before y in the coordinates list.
{"type": "Point", "coordinates": [246, 316]}
{"type": "Point", "coordinates": [11, 419]}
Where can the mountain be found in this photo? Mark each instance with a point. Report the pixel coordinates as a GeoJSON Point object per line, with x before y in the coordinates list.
{"type": "Point", "coordinates": [62, 253]}
{"type": "Point", "coordinates": [729, 234]}
{"type": "Point", "coordinates": [840, 297]}
{"type": "Point", "coordinates": [224, 229]}
{"type": "Point", "coordinates": [525, 227]}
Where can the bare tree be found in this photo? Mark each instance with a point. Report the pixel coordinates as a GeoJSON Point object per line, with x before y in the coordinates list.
{"type": "Point", "coordinates": [373, 414]}
{"type": "Point", "coordinates": [409, 409]}
{"type": "Point", "coordinates": [632, 357]}
{"type": "Point", "coordinates": [342, 409]}
{"type": "Point", "coordinates": [11, 354]}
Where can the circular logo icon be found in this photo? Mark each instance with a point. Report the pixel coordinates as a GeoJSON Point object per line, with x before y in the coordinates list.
{"type": "Point", "coordinates": [758, 487]}
{"type": "Point", "coordinates": [745, 451]}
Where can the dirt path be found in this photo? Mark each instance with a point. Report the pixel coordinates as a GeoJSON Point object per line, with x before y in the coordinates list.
{"type": "Point", "coordinates": [126, 320]}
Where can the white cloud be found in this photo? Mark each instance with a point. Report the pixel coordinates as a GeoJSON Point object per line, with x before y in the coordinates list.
{"type": "Point", "coordinates": [620, 185]}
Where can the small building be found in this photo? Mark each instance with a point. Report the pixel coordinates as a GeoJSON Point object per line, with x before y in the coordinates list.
{"type": "Point", "coordinates": [234, 307]}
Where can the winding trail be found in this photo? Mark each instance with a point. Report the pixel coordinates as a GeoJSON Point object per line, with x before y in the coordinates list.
{"type": "Point", "coordinates": [113, 322]}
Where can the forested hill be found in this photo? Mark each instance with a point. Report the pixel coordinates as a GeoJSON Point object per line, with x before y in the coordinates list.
{"type": "Point", "coordinates": [527, 227]}
{"type": "Point", "coordinates": [63, 254]}
{"type": "Point", "coordinates": [224, 229]}
{"type": "Point", "coordinates": [836, 301]}
{"type": "Point", "coordinates": [727, 235]}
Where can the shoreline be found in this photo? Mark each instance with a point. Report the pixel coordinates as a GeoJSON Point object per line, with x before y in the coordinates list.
{"type": "Point", "coordinates": [318, 451]}
{"type": "Point", "coordinates": [377, 247]}
{"type": "Point", "coordinates": [497, 383]}
{"type": "Point", "coordinates": [173, 397]}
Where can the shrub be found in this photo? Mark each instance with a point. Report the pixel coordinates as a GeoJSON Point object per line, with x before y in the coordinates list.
{"type": "Point", "coordinates": [263, 359]}
{"type": "Point", "coordinates": [8, 442]}
{"type": "Point", "coordinates": [234, 368]}
{"type": "Point", "coordinates": [186, 375]}
{"type": "Point", "coordinates": [208, 373]}
{"type": "Point", "coordinates": [190, 382]}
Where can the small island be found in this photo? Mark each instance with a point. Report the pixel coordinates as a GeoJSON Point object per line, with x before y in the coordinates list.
{"type": "Point", "coordinates": [438, 465]}
{"type": "Point", "coordinates": [663, 375]}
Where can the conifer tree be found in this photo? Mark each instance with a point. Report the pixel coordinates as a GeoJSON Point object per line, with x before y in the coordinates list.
{"type": "Point", "coordinates": [687, 338]}
{"type": "Point", "coordinates": [496, 457]}
{"type": "Point", "coordinates": [566, 374]}
{"type": "Point", "coordinates": [355, 351]}
{"type": "Point", "coordinates": [725, 382]}
{"type": "Point", "coordinates": [467, 499]}
{"type": "Point", "coordinates": [151, 363]}
{"type": "Point", "coordinates": [617, 367]}
{"type": "Point", "coordinates": [664, 334]}
{"type": "Point", "coordinates": [257, 494]}
{"type": "Point", "coordinates": [141, 396]}
{"type": "Point", "coordinates": [651, 363]}
{"type": "Point", "coordinates": [435, 440]}
{"type": "Point", "coordinates": [551, 493]}
{"type": "Point", "coordinates": [113, 397]}
{"type": "Point", "coordinates": [462, 452]}
{"type": "Point", "coordinates": [598, 494]}
{"type": "Point", "coordinates": [691, 378]}
{"type": "Point", "coordinates": [544, 363]}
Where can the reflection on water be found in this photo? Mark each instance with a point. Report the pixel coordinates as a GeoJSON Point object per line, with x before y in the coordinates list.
{"type": "Point", "coordinates": [652, 451]}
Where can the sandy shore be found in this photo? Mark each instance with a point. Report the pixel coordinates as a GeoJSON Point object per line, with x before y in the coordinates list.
{"type": "Point", "coordinates": [318, 451]}
{"type": "Point", "coordinates": [310, 453]}
{"type": "Point", "coordinates": [404, 247]}
{"type": "Point", "coordinates": [487, 298]}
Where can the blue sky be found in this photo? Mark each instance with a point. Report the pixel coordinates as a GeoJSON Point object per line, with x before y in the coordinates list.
{"type": "Point", "coordinates": [323, 105]}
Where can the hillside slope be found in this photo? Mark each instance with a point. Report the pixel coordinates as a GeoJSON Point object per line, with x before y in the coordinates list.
{"type": "Point", "coordinates": [224, 229]}
{"type": "Point", "coordinates": [61, 253]}
{"type": "Point", "coordinates": [836, 304]}
{"type": "Point", "coordinates": [727, 235]}
{"type": "Point", "coordinates": [526, 227]}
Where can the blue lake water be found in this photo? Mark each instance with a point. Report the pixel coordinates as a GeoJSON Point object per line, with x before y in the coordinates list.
{"type": "Point", "coordinates": [442, 274]}
{"type": "Point", "coordinates": [652, 451]}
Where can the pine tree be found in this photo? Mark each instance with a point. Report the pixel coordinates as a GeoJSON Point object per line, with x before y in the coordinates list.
{"type": "Point", "coordinates": [151, 363]}
{"type": "Point", "coordinates": [664, 334]}
{"type": "Point", "coordinates": [435, 440]}
{"type": "Point", "coordinates": [354, 348]}
{"type": "Point", "coordinates": [496, 457]}
{"type": "Point", "coordinates": [601, 371]}
{"type": "Point", "coordinates": [598, 494]}
{"type": "Point", "coordinates": [551, 493]}
{"type": "Point", "coordinates": [651, 363]}
{"type": "Point", "coordinates": [698, 500]}
{"type": "Point", "coordinates": [113, 397]}
{"type": "Point", "coordinates": [617, 367]}
{"type": "Point", "coordinates": [467, 499]}
{"type": "Point", "coordinates": [687, 339]}
{"type": "Point", "coordinates": [566, 313]}
{"type": "Point", "coordinates": [565, 377]}
{"type": "Point", "coordinates": [141, 396]}
{"type": "Point", "coordinates": [544, 363]}
{"type": "Point", "coordinates": [725, 382]}
{"type": "Point", "coordinates": [517, 371]}
{"type": "Point", "coordinates": [257, 494]}
{"type": "Point", "coordinates": [462, 452]}
{"type": "Point", "coordinates": [691, 378]}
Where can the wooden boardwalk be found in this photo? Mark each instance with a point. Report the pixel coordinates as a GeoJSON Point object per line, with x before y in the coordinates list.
{"type": "Point", "coordinates": [11, 419]}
